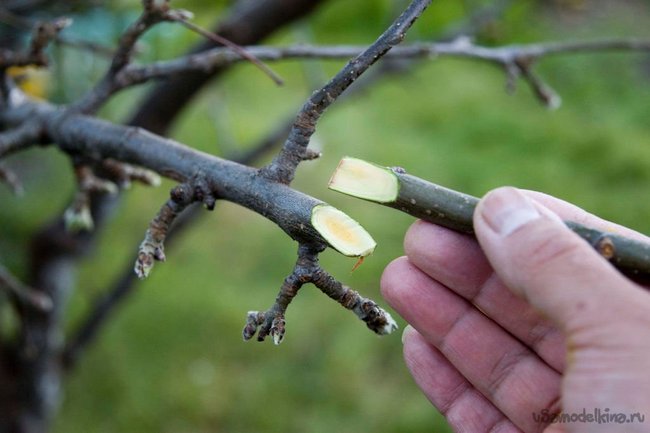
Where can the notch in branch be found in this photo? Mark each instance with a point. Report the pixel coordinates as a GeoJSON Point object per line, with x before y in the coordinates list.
{"type": "Point", "coordinates": [436, 204]}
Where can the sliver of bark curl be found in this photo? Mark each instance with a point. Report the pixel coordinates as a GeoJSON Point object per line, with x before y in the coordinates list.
{"type": "Point", "coordinates": [283, 167]}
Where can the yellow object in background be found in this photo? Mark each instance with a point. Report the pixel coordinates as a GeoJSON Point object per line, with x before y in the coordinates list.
{"type": "Point", "coordinates": [33, 81]}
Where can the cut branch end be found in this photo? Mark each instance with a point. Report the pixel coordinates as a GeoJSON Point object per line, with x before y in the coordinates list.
{"type": "Point", "coordinates": [365, 180]}
{"type": "Point", "coordinates": [342, 232]}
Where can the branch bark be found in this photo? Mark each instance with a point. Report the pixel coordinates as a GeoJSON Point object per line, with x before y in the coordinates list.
{"type": "Point", "coordinates": [455, 210]}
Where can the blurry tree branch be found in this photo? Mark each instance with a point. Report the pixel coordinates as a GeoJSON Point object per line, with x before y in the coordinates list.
{"type": "Point", "coordinates": [248, 22]}
{"type": "Point", "coordinates": [517, 60]}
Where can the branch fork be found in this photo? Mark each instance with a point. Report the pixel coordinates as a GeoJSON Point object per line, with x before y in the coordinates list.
{"type": "Point", "coordinates": [307, 270]}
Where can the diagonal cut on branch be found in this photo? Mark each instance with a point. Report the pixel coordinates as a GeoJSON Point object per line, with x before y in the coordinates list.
{"type": "Point", "coordinates": [394, 188]}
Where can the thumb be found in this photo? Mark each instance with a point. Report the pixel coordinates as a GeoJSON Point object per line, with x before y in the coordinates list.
{"type": "Point", "coordinates": [539, 258]}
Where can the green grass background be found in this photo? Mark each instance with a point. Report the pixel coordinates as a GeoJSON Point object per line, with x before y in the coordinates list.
{"type": "Point", "coordinates": [172, 359]}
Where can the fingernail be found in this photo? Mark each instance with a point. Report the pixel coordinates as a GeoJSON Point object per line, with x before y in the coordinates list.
{"type": "Point", "coordinates": [408, 328]}
{"type": "Point", "coordinates": [506, 210]}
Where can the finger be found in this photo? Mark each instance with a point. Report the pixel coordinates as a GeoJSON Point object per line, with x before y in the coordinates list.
{"type": "Point", "coordinates": [538, 257]}
{"type": "Point", "coordinates": [457, 261]}
{"type": "Point", "coordinates": [464, 407]}
{"type": "Point", "coordinates": [570, 212]}
{"type": "Point", "coordinates": [507, 373]}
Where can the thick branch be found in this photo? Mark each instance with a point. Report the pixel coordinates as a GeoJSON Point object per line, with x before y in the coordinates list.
{"type": "Point", "coordinates": [95, 139]}
{"type": "Point", "coordinates": [448, 208]}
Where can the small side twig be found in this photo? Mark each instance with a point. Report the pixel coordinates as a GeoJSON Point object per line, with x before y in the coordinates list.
{"type": "Point", "coordinates": [23, 295]}
{"type": "Point", "coordinates": [284, 165]}
{"type": "Point", "coordinates": [77, 217]}
{"type": "Point", "coordinates": [20, 138]}
{"type": "Point", "coordinates": [152, 247]}
{"type": "Point", "coordinates": [42, 35]}
{"type": "Point", "coordinates": [183, 19]}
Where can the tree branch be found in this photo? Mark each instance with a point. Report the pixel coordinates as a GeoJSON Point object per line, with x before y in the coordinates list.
{"type": "Point", "coordinates": [106, 304]}
{"type": "Point", "coordinates": [42, 35]}
{"type": "Point", "coordinates": [394, 188]}
{"type": "Point", "coordinates": [283, 166]}
{"type": "Point", "coordinates": [20, 137]}
{"type": "Point", "coordinates": [517, 60]}
{"type": "Point", "coordinates": [247, 23]}
{"type": "Point", "coordinates": [22, 295]}
{"type": "Point", "coordinates": [307, 270]}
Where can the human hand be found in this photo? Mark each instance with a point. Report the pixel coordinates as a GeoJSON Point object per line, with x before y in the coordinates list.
{"type": "Point", "coordinates": [528, 321]}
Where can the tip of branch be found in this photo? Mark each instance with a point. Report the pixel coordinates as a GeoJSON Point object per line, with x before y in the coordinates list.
{"type": "Point", "coordinates": [147, 255]}
{"type": "Point", "coordinates": [377, 319]}
{"type": "Point", "coordinates": [78, 219]}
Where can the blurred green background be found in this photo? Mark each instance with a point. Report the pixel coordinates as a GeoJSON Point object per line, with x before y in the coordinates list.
{"type": "Point", "coordinates": [172, 359]}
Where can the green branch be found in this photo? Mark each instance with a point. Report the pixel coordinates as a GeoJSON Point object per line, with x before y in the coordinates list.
{"type": "Point", "coordinates": [394, 188]}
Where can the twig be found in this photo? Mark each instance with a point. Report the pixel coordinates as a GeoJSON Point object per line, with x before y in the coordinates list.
{"type": "Point", "coordinates": [283, 166]}
{"type": "Point", "coordinates": [454, 210]}
{"type": "Point", "coordinates": [242, 52]}
{"type": "Point", "coordinates": [11, 179]}
{"type": "Point", "coordinates": [152, 247]}
{"type": "Point", "coordinates": [19, 138]}
{"type": "Point", "coordinates": [152, 14]}
{"type": "Point", "coordinates": [246, 23]}
{"type": "Point", "coordinates": [22, 23]}
{"type": "Point", "coordinates": [42, 35]}
{"type": "Point", "coordinates": [23, 295]}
